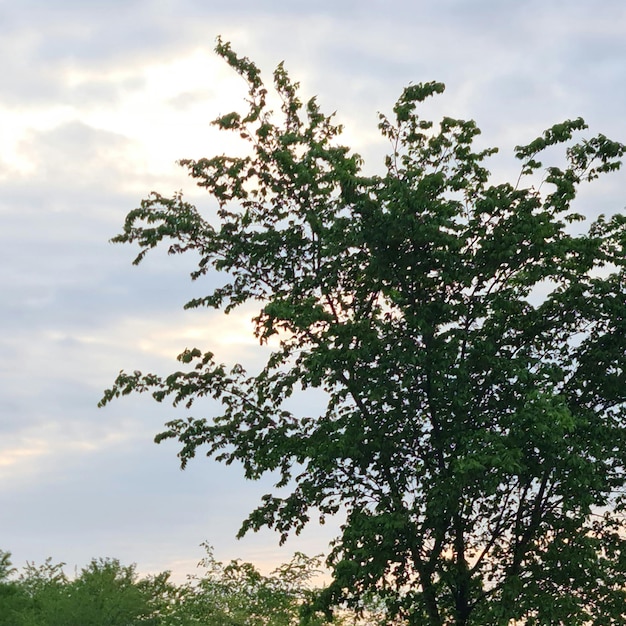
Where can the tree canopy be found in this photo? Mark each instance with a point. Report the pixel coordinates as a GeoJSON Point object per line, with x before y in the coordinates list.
{"type": "Point", "coordinates": [107, 593]}
{"type": "Point", "coordinates": [104, 593]}
{"type": "Point", "coordinates": [470, 338]}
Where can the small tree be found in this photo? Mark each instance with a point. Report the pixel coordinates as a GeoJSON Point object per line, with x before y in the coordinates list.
{"type": "Point", "coordinates": [44, 597]}
{"type": "Point", "coordinates": [107, 593]}
{"type": "Point", "coordinates": [237, 594]}
{"type": "Point", "coordinates": [471, 346]}
{"type": "Point", "coordinates": [6, 567]}
{"type": "Point", "coordinates": [12, 598]}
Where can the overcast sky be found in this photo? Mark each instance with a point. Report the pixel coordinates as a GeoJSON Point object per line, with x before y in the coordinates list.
{"type": "Point", "coordinates": [98, 99]}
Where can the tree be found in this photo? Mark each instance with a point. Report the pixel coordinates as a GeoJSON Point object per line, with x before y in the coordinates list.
{"type": "Point", "coordinates": [470, 338]}
{"type": "Point", "coordinates": [43, 594]}
{"type": "Point", "coordinates": [237, 594]}
{"type": "Point", "coordinates": [6, 567]}
{"type": "Point", "coordinates": [110, 594]}
{"type": "Point", "coordinates": [107, 593]}
{"type": "Point", "coordinates": [11, 598]}
{"type": "Point", "coordinates": [103, 593]}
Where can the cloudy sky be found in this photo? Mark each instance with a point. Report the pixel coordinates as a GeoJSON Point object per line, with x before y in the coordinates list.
{"type": "Point", "coordinates": [98, 99]}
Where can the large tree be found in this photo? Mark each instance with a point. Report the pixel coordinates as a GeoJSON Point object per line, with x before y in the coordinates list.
{"type": "Point", "coordinates": [470, 339]}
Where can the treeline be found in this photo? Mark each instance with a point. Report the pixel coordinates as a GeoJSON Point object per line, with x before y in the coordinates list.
{"type": "Point", "coordinates": [107, 593]}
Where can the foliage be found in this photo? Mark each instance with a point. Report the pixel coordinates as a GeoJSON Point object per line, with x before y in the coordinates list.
{"type": "Point", "coordinates": [106, 593]}
{"type": "Point", "coordinates": [6, 567]}
{"type": "Point", "coordinates": [10, 596]}
{"type": "Point", "coordinates": [470, 338]}
{"type": "Point", "coordinates": [237, 594]}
